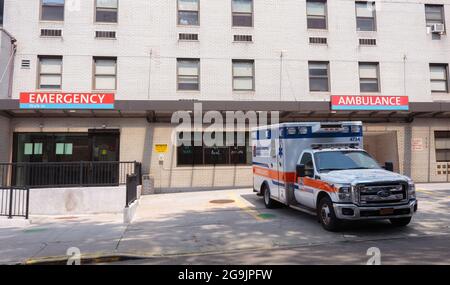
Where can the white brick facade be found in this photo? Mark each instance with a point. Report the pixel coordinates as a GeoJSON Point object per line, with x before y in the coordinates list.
{"type": "Point", "coordinates": [146, 27]}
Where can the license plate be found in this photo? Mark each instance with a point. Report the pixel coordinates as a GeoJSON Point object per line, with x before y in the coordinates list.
{"type": "Point", "coordinates": [388, 211]}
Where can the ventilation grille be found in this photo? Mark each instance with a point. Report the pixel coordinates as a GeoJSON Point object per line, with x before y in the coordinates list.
{"type": "Point", "coordinates": [105, 34]}
{"type": "Point", "coordinates": [26, 64]}
{"type": "Point", "coordinates": [368, 42]}
{"type": "Point", "coordinates": [243, 38]}
{"type": "Point", "coordinates": [188, 37]}
{"type": "Point", "coordinates": [319, 41]}
{"type": "Point", "coordinates": [51, 33]}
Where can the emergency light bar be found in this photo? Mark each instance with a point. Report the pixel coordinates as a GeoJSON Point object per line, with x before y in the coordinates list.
{"type": "Point", "coordinates": [336, 145]}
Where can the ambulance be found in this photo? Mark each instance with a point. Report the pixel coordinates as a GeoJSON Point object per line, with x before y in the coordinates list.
{"type": "Point", "coordinates": [321, 168]}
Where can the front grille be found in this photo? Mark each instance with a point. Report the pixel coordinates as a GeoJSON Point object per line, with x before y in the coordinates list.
{"type": "Point", "coordinates": [376, 194]}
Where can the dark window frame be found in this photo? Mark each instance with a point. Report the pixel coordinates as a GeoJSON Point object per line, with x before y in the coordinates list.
{"type": "Point", "coordinates": [40, 73]}
{"type": "Point", "coordinates": [251, 14]}
{"type": "Point", "coordinates": [377, 78]}
{"type": "Point", "coordinates": [373, 18]}
{"type": "Point", "coordinates": [244, 77]}
{"type": "Point", "coordinates": [197, 60]}
{"type": "Point", "coordinates": [446, 136]}
{"type": "Point", "coordinates": [197, 12]}
{"type": "Point", "coordinates": [310, 77]}
{"type": "Point", "coordinates": [42, 6]}
{"type": "Point", "coordinates": [445, 66]}
{"type": "Point", "coordinates": [325, 17]}
{"type": "Point", "coordinates": [95, 75]}
{"type": "Point", "coordinates": [116, 10]}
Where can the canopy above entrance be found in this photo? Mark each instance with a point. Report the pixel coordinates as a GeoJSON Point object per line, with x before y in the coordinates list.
{"type": "Point", "coordinates": [161, 111]}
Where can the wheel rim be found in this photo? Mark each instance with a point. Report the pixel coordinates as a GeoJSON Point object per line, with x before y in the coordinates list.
{"type": "Point", "coordinates": [325, 214]}
{"type": "Point", "coordinates": [267, 196]}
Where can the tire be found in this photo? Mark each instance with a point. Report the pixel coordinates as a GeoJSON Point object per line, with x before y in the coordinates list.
{"type": "Point", "coordinates": [327, 216]}
{"type": "Point", "coordinates": [400, 222]}
{"type": "Point", "coordinates": [268, 202]}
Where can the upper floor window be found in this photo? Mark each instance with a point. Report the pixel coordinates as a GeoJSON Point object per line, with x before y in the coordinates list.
{"type": "Point", "coordinates": [50, 72]}
{"type": "Point", "coordinates": [369, 77]}
{"type": "Point", "coordinates": [188, 12]}
{"type": "Point", "coordinates": [188, 74]}
{"type": "Point", "coordinates": [106, 11]}
{"type": "Point", "coordinates": [439, 78]}
{"type": "Point", "coordinates": [105, 73]}
{"type": "Point", "coordinates": [434, 14]}
{"type": "Point", "coordinates": [316, 12]}
{"type": "Point", "coordinates": [365, 16]}
{"type": "Point", "coordinates": [242, 13]}
{"type": "Point", "coordinates": [243, 75]}
{"type": "Point", "coordinates": [52, 10]}
{"type": "Point", "coordinates": [319, 76]}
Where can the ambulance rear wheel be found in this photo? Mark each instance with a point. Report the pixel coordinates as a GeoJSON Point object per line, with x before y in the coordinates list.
{"type": "Point", "coordinates": [327, 216]}
{"type": "Point", "coordinates": [268, 202]}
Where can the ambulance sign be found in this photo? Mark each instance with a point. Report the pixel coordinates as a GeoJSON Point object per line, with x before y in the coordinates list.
{"type": "Point", "coordinates": [72, 101]}
{"type": "Point", "coordinates": [367, 103]}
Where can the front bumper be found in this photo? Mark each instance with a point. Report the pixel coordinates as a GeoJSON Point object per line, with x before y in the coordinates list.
{"type": "Point", "coordinates": [353, 212]}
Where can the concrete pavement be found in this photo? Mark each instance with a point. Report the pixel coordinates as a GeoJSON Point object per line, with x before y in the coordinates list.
{"type": "Point", "coordinates": [219, 224]}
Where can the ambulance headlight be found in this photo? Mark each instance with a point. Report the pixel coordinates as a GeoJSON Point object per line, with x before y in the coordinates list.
{"type": "Point", "coordinates": [344, 193]}
{"type": "Point", "coordinates": [411, 190]}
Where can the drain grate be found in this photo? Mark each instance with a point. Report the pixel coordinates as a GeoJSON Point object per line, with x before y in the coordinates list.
{"type": "Point", "coordinates": [222, 201]}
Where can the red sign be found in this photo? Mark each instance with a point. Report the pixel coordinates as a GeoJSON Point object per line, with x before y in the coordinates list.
{"type": "Point", "coordinates": [345, 102]}
{"type": "Point", "coordinates": [54, 100]}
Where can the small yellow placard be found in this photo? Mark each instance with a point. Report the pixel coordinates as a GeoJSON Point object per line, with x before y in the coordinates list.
{"type": "Point", "coordinates": [161, 148]}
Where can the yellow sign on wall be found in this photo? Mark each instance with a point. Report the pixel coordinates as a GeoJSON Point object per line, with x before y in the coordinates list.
{"type": "Point", "coordinates": [161, 148]}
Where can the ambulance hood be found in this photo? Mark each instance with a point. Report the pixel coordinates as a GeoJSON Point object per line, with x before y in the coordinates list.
{"type": "Point", "coordinates": [355, 176]}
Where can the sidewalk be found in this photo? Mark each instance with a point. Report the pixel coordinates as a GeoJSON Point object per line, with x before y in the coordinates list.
{"type": "Point", "coordinates": [204, 223]}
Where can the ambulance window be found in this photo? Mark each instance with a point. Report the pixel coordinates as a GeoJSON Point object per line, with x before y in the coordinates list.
{"type": "Point", "coordinates": [307, 161]}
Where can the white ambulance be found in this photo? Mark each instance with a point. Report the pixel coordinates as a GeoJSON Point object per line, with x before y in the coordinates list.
{"type": "Point", "coordinates": [322, 169]}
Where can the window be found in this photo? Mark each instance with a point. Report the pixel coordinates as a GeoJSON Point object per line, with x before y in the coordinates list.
{"type": "Point", "coordinates": [106, 11]}
{"type": "Point", "coordinates": [318, 76]}
{"type": "Point", "coordinates": [243, 75]}
{"type": "Point", "coordinates": [434, 14]}
{"type": "Point", "coordinates": [188, 12]}
{"type": "Point", "coordinates": [64, 149]}
{"type": "Point", "coordinates": [105, 71]}
{"type": "Point", "coordinates": [1, 12]}
{"type": "Point", "coordinates": [188, 74]}
{"type": "Point", "coordinates": [50, 72]}
{"type": "Point", "coordinates": [316, 13]}
{"type": "Point", "coordinates": [368, 77]}
{"type": "Point", "coordinates": [52, 10]}
{"type": "Point", "coordinates": [32, 148]}
{"type": "Point", "coordinates": [242, 13]}
{"type": "Point", "coordinates": [365, 16]}
{"type": "Point", "coordinates": [439, 77]}
{"type": "Point", "coordinates": [197, 152]}
{"type": "Point", "coordinates": [442, 145]}
{"type": "Point", "coordinates": [307, 161]}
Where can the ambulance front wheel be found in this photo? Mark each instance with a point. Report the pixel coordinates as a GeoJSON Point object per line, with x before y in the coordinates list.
{"type": "Point", "coordinates": [327, 216]}
{"type": "Point", "coordinates": [268, 202]}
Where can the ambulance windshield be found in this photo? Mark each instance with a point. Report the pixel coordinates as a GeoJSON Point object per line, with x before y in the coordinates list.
{"type": "Point", "coordinates": [344, 160]}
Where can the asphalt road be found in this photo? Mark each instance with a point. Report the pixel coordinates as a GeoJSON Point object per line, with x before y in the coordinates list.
{"type": "Point", "coordinates": [285, 236]}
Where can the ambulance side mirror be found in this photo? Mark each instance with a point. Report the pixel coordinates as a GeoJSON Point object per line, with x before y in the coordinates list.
{"type": "Point", "coordinates": [389, 166]}
{"type": "Point", "coordinates": [300, 170]}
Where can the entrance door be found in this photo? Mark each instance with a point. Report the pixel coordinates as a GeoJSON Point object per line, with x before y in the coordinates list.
{"type": "Point", "coordinates": [383, 147]}
{"type": "Point", "coordinates": [104, 150]}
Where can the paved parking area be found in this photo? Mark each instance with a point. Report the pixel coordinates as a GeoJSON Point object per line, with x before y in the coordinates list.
{"type": "Point", "coordinates": [233, 226]}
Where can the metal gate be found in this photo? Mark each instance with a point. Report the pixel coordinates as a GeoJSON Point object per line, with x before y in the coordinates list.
{"type": "Point", "coordinates": [14, 201]}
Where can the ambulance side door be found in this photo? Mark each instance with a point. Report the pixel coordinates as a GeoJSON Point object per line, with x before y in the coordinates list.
{"type": "Point", "coordinates": [305, 194]}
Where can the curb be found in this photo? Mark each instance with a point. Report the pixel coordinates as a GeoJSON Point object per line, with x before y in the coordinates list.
{"type": "Point", "coordinates": [84, 260]}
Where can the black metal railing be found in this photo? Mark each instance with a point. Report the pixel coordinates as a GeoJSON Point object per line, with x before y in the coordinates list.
{"type": "Point", "coordinates": [14, 201]}
{"type": "Point", "coordinates": [67, 174]}
{"type": "Point", "coordinates": [131, 193]}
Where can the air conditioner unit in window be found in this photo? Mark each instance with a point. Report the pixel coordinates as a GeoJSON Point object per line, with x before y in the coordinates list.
{"type": "Point", "coordinates": [437, 28]}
